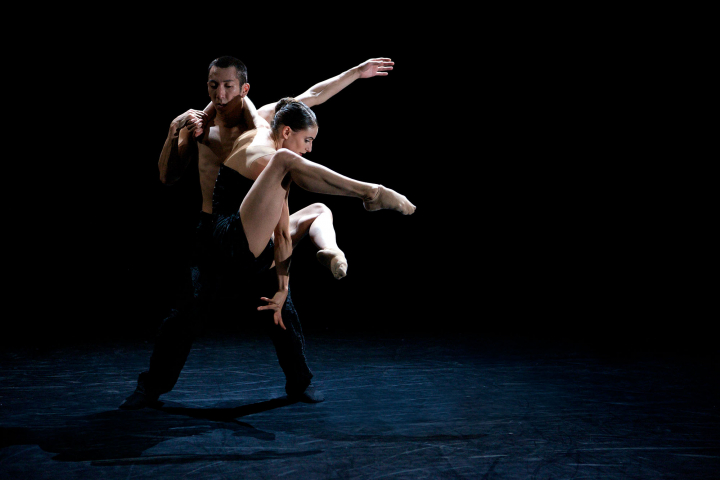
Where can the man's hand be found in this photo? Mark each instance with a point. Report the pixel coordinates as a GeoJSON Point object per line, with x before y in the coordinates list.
{"type": "Point", "coordinates": [276, 303]}
{"type": "Point", "coordinates": [193, 120]}
{"type": "Point", "coordinates": [375, 67]}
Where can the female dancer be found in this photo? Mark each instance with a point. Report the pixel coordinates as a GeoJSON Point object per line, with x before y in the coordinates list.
{"type": "Point", "coordinates": [248, 213]}
{"type": "Point", "coordinates": [316, 220]}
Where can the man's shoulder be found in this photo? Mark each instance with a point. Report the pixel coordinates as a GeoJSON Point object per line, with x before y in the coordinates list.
{"type": "Point", "coordinates": [227, 136]}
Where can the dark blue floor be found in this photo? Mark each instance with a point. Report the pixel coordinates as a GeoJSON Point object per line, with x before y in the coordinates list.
{"type": "Point", "coordinates": [395, 408]}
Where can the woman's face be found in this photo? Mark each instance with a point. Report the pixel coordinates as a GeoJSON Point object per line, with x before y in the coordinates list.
{"type": "Point", "coordinates": [301, 141]}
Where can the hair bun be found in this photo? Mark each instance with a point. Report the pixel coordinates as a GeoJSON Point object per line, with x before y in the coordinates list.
{"type": "Point", "coordinates": [284, 101]}
{"type": "Point", "coordinates": [294, 114]}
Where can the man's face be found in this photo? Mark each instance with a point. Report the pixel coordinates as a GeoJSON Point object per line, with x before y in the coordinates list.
{"type": "Point", "coordinates": [300, 142]}
{"type": "Point", "coordinates": [224, 88]}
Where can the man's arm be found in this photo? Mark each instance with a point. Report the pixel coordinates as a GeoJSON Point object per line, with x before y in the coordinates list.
{"type": "Point", "coordinates": [180, 146]}
{"type": "Point", "coordinates": [321, 92]}
{"type": "Point", "coordinates": [283, 254]}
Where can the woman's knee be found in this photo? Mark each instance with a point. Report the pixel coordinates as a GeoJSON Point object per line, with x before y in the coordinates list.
{"type": "Point", "coordinates": [317, 209]}
{"type": "Point", "coordinates": [283, 160]}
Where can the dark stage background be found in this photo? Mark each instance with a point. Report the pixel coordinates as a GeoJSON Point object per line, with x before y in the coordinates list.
{"type": "Point", "coordinates": [527, 225]}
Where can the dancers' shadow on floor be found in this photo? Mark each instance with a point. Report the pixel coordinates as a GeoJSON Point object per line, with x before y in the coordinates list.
{"type": "Point", "coordinates": [120, 437]}
{"type": "Point", "coordinates": [223, 414]}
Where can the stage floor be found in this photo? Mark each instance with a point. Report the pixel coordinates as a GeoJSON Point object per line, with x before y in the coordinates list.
{"type": "Point", "coordinates": [395, 408]}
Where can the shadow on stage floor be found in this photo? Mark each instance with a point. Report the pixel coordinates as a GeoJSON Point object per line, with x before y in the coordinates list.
{"type": "Point", "coordinates": [395, 407]}
{"type": "Point", "coordinates": [120, 437]}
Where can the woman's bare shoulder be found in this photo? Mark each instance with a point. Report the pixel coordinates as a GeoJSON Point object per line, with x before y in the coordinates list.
{"type": "Point", "coordinates": [249, 147]}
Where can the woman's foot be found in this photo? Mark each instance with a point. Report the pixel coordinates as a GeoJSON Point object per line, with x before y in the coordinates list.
{"type": "Point", "coordinates": [335, 260]}
{"type": "Point", "coordinates": [387, 198]}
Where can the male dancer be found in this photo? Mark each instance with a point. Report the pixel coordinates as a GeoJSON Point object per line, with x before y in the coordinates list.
{"type": "Point", "coordinates": [190, 137]}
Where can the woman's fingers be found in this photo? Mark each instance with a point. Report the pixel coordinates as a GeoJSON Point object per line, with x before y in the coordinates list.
{"type": "Point", "coordinates": [278, 320]}
{"type": "Point", "coordinates": [277, 316]}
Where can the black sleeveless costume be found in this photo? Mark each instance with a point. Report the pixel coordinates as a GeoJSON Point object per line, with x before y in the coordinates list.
{"type": "Point", "coordinates": [224, 270]}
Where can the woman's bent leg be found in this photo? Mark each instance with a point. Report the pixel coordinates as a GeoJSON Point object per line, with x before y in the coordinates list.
{"type": "Point", "coordinates": [260, 210]}
{"type": "Point", "coordinates": [316, 221]}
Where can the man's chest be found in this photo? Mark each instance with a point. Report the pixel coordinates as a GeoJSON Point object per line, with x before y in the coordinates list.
{"type": "Point", "coordinates": [217, 145]}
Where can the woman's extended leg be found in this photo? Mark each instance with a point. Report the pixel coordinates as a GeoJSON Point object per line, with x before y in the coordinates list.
{"type": "Point", "coordinates": [316, 221]}
{"type": "Point", "coordinates": [260, 210]}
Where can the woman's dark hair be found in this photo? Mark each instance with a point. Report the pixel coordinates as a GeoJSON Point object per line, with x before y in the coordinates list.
{"type": "Point", "coordinates": [293, 114]}
{"type": "Point", "coordinates": [227, 62]}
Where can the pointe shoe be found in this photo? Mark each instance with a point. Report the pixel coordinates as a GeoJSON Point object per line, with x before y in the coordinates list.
{"type": "Point", "coordinates": [335, 260]}
{"type": "Point", "coordinates": [387, 198]}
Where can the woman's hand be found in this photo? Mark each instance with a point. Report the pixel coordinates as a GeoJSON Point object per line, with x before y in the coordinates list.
{"type": "Point", "coordinates": [276, 303]}
{"type": "Point", "coordinates": [375, 67]}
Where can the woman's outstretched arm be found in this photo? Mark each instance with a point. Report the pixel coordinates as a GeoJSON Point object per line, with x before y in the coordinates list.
{"type": "Point", "coordinates": [323, 91]}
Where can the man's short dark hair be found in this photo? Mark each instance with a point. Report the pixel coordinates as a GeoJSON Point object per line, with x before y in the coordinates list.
{"type": "Point", "coordinates": [227, 62]}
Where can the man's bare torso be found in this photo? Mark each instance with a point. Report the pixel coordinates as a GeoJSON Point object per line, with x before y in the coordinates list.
{"type": "Point", "coordinates": [212, 152]}
{"type": "Point", "coordinates": [229, 145]}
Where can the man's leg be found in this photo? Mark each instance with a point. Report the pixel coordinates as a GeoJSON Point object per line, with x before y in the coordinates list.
{"type": "Point", "coordinates": [172, 346]}
{"type": "Point", "coordinates": [289, 346]}
{"type": "Point", "coordinates": [181, 327]}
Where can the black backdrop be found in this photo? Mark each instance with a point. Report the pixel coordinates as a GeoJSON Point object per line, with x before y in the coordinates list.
{"type": "Point", "coordinates": [526, 226]}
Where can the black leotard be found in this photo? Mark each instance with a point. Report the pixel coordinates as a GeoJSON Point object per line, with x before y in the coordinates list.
{"type": "Point", "coordinates": [231, 246]}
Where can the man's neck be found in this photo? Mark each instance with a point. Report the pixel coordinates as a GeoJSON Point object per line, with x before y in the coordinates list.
{"type": "Point", "coordinates": [232, 118]}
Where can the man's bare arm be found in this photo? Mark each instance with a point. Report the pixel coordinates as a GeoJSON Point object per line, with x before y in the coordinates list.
{"type": "Point", "coordinates": [180, 146]}
{"type": "Point", "coordinates": [321, 92]}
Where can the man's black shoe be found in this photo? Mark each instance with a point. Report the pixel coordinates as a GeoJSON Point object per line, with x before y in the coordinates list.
{"type": "Point", "coordinates": [310, 395]}
{"type": "Point", "coordinates": [139, 399]}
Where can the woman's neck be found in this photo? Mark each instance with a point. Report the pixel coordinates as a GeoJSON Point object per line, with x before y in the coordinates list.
{"type": "Point", "coordinates": [277, 141]}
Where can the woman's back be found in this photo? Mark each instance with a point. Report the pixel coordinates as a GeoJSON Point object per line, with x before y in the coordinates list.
{"type": "Point", "coordinates": [249, 148]}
